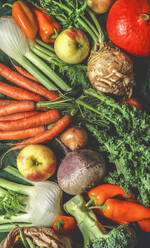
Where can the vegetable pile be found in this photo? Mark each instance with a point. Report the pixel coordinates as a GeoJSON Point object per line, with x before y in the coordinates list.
{"type": "Point", "coordinates": [74, 124]}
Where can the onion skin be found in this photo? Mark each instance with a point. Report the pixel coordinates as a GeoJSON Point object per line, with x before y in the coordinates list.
{"type": "Point", "coordinates": [74, 138]}
{"type": "Point", "coordinates": [110, 70]}
{"type": "Point", "coordinates": [80, 170]}
{"type": "Point", "coordinates": [100, 6]}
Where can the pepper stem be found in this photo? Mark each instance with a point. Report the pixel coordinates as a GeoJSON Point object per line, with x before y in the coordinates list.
{"type": "Point", "coordinates": [146, 17]}
{"type": "Point", "coordinates": [102, 207]}
{"type": "Point", "coordinates": [59, 224]}
{"type": "Point", "coordinates": [54, 35]}
{"type": "Point", "coordinates": [92, 200]}
{"type": "Point", "coordinates": [7, 5]}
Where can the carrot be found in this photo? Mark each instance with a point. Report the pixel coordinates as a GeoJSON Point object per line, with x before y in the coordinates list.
{"type": "Point", "coordinates": [19, 93]}
{"type": "Point", "coordinates": [25, 73]}
{"type": "Point", "coordinates": [18, 116]}
{"type": "Point", "coordinates": [21, 134]}
{"type": "Point", "coordinates": [26, 83]}
{"type": "Point", "coordinates": [16, 107]}
{"type": "Point", "coordinates": [47, 135]}
{"type": "Point", "coordinates": [31, 121]}
{"type": "Point", "coordinates": [4, 102]}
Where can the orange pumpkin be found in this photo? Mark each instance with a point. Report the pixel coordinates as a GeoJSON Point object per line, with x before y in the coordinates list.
{"type": "Point", "coordinates": [128, 26]}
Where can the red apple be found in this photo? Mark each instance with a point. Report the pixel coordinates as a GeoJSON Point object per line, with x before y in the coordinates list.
{"type": "Point", "coordinates": [36, 162]}
{"type": "Point", "coordinates": [100, 6]}
{"type": "Point", "coordinates": [72, 46]}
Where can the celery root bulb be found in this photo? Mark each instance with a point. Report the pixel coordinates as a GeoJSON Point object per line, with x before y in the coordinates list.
{"type": "Point", "coordinates": [111, 71]}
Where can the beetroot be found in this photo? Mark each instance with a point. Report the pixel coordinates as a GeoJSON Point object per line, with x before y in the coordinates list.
{"type": "Point", "coordinates": [81, 170]}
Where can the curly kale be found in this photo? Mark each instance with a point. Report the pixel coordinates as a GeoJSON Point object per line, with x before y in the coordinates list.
{"type": "Point", "coordinates": [122, 134]}
{"type": "Point", "coordinates": [126, 140]}
{"type": "Point", "coordinates": [94, 234]}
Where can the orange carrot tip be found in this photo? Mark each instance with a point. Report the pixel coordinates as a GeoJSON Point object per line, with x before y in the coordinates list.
{"type": "Point", "coordinates": [42, 118]}
{"type": "Point", "coordinates": [45, 136]}
{"type": "Point", "coordinates": [24, 72]}
{"type": "Point", "coordinates": [26, 83]}
{"type": "Point", "coordinates": [19, 93]}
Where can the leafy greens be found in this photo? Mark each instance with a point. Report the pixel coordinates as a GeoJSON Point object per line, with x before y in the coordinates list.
{"type": "Point", "coordinates": [123, 134]}
{"type": "Point", "coordinates": [126, 139]}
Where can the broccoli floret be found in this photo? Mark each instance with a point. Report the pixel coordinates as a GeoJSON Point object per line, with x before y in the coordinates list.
{"type": "Point", "coordinates": [120, 237]}
{"type": "Point", "coordinates": [94, 234]}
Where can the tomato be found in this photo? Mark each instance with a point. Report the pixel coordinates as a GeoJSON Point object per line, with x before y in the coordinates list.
{"type": "Point", "coordinates": [132, 102]}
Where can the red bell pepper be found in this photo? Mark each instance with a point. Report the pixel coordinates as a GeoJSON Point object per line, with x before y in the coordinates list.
{"type": "Point", "coordinates": [47, 25]}
{"type": "Point", "coordinates": [124, 212]}
{"type": "Point", "coordinates": [64, 224]}
{"type": "Point", "coordinates": [98, 195]}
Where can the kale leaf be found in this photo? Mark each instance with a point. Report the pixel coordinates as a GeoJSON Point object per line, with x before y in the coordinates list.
{"type": "Point", "coordinates": [126, 141]}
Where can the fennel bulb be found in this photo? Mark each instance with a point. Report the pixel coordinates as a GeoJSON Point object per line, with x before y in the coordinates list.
{"type": "Point", "coordinates": [16, 45]}
{"type": "Point", "coordinates": [38, 204]}
{"type": "Point", "coordinates": [14, 36]}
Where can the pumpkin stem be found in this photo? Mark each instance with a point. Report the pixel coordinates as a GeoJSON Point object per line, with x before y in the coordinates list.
{"type": "Point", "coordinates": [146, 17]}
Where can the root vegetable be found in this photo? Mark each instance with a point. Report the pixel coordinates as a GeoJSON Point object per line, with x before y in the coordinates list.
{"type": "Point", "coordinates": [74, 138]}
{"type": "Point", "coordinates": [42, 118]}
{"type": "Point", "coordinates": [48, 135]}
{"type": "Point", "coordinates": [110, 70]}
{"type": "Point", "coordinates": [26, 83]}
{"type": "Point", "coordinates": [21, 134]}
{"type": "Point", "coordinates": [80, 170]}
{"type": "Point", "coordinates": [19, 93]}
{"type": "Point", "coordinates": [18, 116]}
{"type": "Point", "coordinates": [15, 107]}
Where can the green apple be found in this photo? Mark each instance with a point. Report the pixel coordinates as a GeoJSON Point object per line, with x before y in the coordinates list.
{"type": "Point", "coordinates": [72, 46]}
{"type": "Point", "coordinates": [36, 162]}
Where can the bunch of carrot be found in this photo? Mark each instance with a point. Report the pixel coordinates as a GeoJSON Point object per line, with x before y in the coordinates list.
{"type": "Point", "coordinates": [20, 118]}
